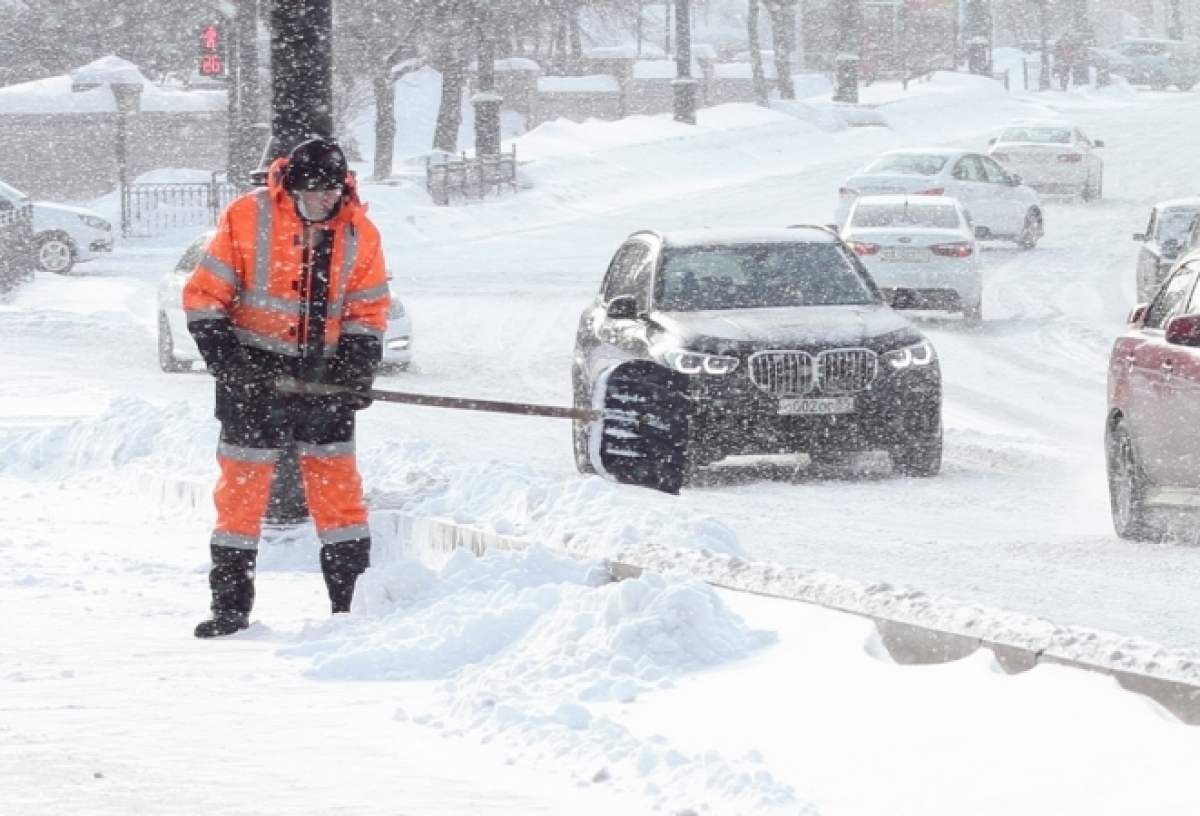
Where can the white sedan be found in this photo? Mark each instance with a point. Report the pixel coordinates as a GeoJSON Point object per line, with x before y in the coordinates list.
{"type": "Point", "coordinates": [999, 205]}
{"type": "Point", "coordinates": [177, 351]}
{"type": "Point", "coordinates": [1051, 156]}
{"type": "Point", "coordinates": [921, 252]}
{"type": "Point", "coordinates": [63, 235]}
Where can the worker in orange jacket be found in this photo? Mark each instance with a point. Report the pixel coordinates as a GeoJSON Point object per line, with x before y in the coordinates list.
{"type": "Point", "coordinates": [292, 285]}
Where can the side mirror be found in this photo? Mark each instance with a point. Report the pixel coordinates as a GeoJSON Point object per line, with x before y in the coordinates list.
{"type": "Point", "coordinates": [992, 140]}
{"type": "Point", "coordinates": [834, 228]}
{"type": "Point", "coordinates": [981, 233]}
{"type": "Point", "coordinates": [1097, 143]}
{"type": "Point", "coordinates": [1014, 180]}
{"type": "Point", "coordinates": [1184, 330]}
{"type": "Point", "coordinates": [623, 307]}
{"type": "Point", "coordinates": [1138, 314]}
{"type": "Point", "coordinates": [1139, 236]}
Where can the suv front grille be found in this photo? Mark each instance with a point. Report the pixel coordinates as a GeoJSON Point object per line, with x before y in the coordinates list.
{"type": "Point", "coordinates": [792, 373]}
{"type": "Point", "coordinates": [783, 373]}
{"type": "Point", "coordinates": [844, 371]}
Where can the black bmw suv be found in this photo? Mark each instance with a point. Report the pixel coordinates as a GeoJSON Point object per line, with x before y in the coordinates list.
{"type": "Point", "coordinates": [787, 343]}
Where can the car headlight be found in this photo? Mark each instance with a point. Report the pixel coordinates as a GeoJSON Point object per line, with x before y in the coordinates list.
{"type": "Point", "coordinates": [395, 310]}
{"type": "Point", "coordinates": [96, 223]}
{"type": "Point", "coordinates": [695, 362]}
{"type": "Point", "coordinates": [918, 354]}
{"type": "Point", "coordinates": [398, 343]}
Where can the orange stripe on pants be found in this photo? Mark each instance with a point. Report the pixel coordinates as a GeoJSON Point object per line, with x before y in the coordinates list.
{"type": "Point", "coordinates": [241, 495]}
{"type": "Point", "coordinates": [334, 491]}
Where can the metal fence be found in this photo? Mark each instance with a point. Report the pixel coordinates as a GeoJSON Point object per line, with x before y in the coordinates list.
{"type": "Point", "coordinates": [148, 210]}
{"type": "Point", "coordinates": [450, 178]}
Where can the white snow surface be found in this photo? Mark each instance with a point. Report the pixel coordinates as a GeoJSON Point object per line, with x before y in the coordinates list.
{"type": "Point", "coordinates": [527, 682]}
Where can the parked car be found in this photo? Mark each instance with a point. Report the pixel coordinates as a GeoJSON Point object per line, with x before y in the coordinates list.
{"type": "Point", "coordinates": [177, 351]}
{"type": "Point", "coordinates": [1172, 224]}
{"type": "Point", "coordinates": [1159, 63]}
{"type": "Point", "coordinates": [921, 252]}
{"type": "Point", "coordinates": [1153, 445]}
{"type": "Point", "coordinates": [788, 344]}
{"type": "Point", "coordinates": [1051, 156]}
{"type": "Point", "coordinates": [63, 235]}
{"type": "Point", "coordinates": [1000, 206]}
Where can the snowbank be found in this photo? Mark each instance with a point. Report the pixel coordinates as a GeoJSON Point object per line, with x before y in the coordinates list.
{"type": "Point", "coordinates": [534, 649]}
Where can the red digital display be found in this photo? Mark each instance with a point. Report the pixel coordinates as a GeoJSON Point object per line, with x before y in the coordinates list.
{"type": "Point", "coordinates": [212, 60]}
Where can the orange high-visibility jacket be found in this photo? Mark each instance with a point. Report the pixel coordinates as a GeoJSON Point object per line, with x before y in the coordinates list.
{"type": "Point", "coordinates": [257, 272]}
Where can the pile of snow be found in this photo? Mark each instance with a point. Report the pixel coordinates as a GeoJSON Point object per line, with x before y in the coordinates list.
{"type": "Point", "coordinates": [589, 517]}
{"type": "Point", "coordinates": [131, 444]}
{"type": "Point", "coordinates": [533, 650]}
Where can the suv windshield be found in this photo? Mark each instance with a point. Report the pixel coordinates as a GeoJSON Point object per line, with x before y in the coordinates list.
{"type": "Point", "coordinates": [907, 164]}
{"type": "Point", "coordinates": [938, 216]}
{"type": "Point", "coordinates": [1037, 135]}
{"type": "Point", "coordinates": [760, 276]}
{"type": "Point", "coordinates": [1174, 225]}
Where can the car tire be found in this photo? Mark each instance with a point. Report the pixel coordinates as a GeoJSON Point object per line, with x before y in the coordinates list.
{"type": "Point", "coordinates": [1031, 233]}
{"type": "Point", "coordinates": [55, 253]}
{"type": "Point", "coordinates": [1158, 83]}
{"type": "Point", "coordinates": [167, 360]}
{"type": "Point", "coordinates": [1127, 487]}
{"type": "Point", "coordinates": [579, 443]}
{"type": "Point", "coordinates": [1093, 192]}
{"type": "Point", "coordinates": [1186, 84]}
{"type": "Point", "coordinates": [918, 456]}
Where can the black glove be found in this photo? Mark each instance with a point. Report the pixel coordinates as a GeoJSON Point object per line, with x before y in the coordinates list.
{"type": "Point", "coordinates": [354, 367]}
{"type": "Point", "coordinates": [244, 374]}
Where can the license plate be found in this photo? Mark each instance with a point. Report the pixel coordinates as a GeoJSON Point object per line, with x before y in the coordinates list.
{"type": "Point", "coordinates": [904, 254]}
{"type": "Point", "coordinates": [817, 405]}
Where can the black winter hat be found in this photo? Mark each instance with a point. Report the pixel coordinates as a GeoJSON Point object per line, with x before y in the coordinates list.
{"type": "Point", "coordinates": [318, 164]}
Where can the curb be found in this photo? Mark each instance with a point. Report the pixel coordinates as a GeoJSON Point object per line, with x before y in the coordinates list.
{"type": "Point", "coordinates": [1170, 677]}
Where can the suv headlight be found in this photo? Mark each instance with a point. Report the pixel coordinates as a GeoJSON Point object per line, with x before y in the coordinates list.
{"type": "Point", "coordinates": [918, 354]}
{"type": "Point", "coordinates": [96, 223]}
{"type": "Point", "coordinates": [695, 362]}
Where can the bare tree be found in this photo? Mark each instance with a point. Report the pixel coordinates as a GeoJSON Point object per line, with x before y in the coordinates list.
{"type": "Point", "coordinates": [756, 61]}
{"type": "Point", "coordinates": [783, 31]}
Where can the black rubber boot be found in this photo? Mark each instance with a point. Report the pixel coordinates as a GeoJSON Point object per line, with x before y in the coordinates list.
{"type": "Point", "coordinates": [341, 565]}
{"type": "Point", "coordinates": [232, 582]}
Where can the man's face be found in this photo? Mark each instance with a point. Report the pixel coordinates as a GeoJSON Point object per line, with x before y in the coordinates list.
{"type": "Point", "coordinates": [318, 204]}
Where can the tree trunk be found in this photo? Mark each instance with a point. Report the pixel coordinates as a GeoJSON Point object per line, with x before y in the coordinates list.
{"type": "Point", "coordinates": [445, 136]}
{"type": "Point", "coordinates": [576, 36]}
{"type": "Point", "coordinates": [385, 123]}
{"type": "Point", "coordinates": [756, 62]}
{"type": "Point", "coordinates": [783, 21]}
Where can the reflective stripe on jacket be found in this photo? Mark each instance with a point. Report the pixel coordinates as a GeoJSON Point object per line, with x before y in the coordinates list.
{"type": "Point", "coordinates": [258, 272]}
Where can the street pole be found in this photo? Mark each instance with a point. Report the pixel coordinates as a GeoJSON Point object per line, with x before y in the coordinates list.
{"type": "Point", "coordinates": [486, 100]}
{"type": "Point", "coordinates": [684, 85]}
{"type": "Point", "coordinates": [127, 96]}
{"type": "Point", "coordinates": [301, 76]}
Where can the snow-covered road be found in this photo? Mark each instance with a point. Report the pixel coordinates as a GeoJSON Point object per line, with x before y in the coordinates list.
{"type": "Point", "coordinates": [108, 706]}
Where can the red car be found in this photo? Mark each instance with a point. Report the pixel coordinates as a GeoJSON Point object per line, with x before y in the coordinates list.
{"type": "Point", "coordinates": [1153, 428]}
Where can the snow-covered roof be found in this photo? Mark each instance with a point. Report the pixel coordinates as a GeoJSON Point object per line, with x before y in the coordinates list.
{"type": "Point", "coordinates": [516, 64]}
{"type": "Point", "coordinates": [728, 236]}
{"type": "Point", "coordinates": [1180, 203]}
{"type": "Point", "coordinates": [742, 70]}
{"type": "Point", "coordinates": [596, 83]}
{"type": "Point", "coordinates": [88, 90]}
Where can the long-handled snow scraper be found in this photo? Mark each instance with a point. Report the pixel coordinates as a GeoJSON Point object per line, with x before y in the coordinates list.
{"type": "Point", "coordinates": [637, 429]}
